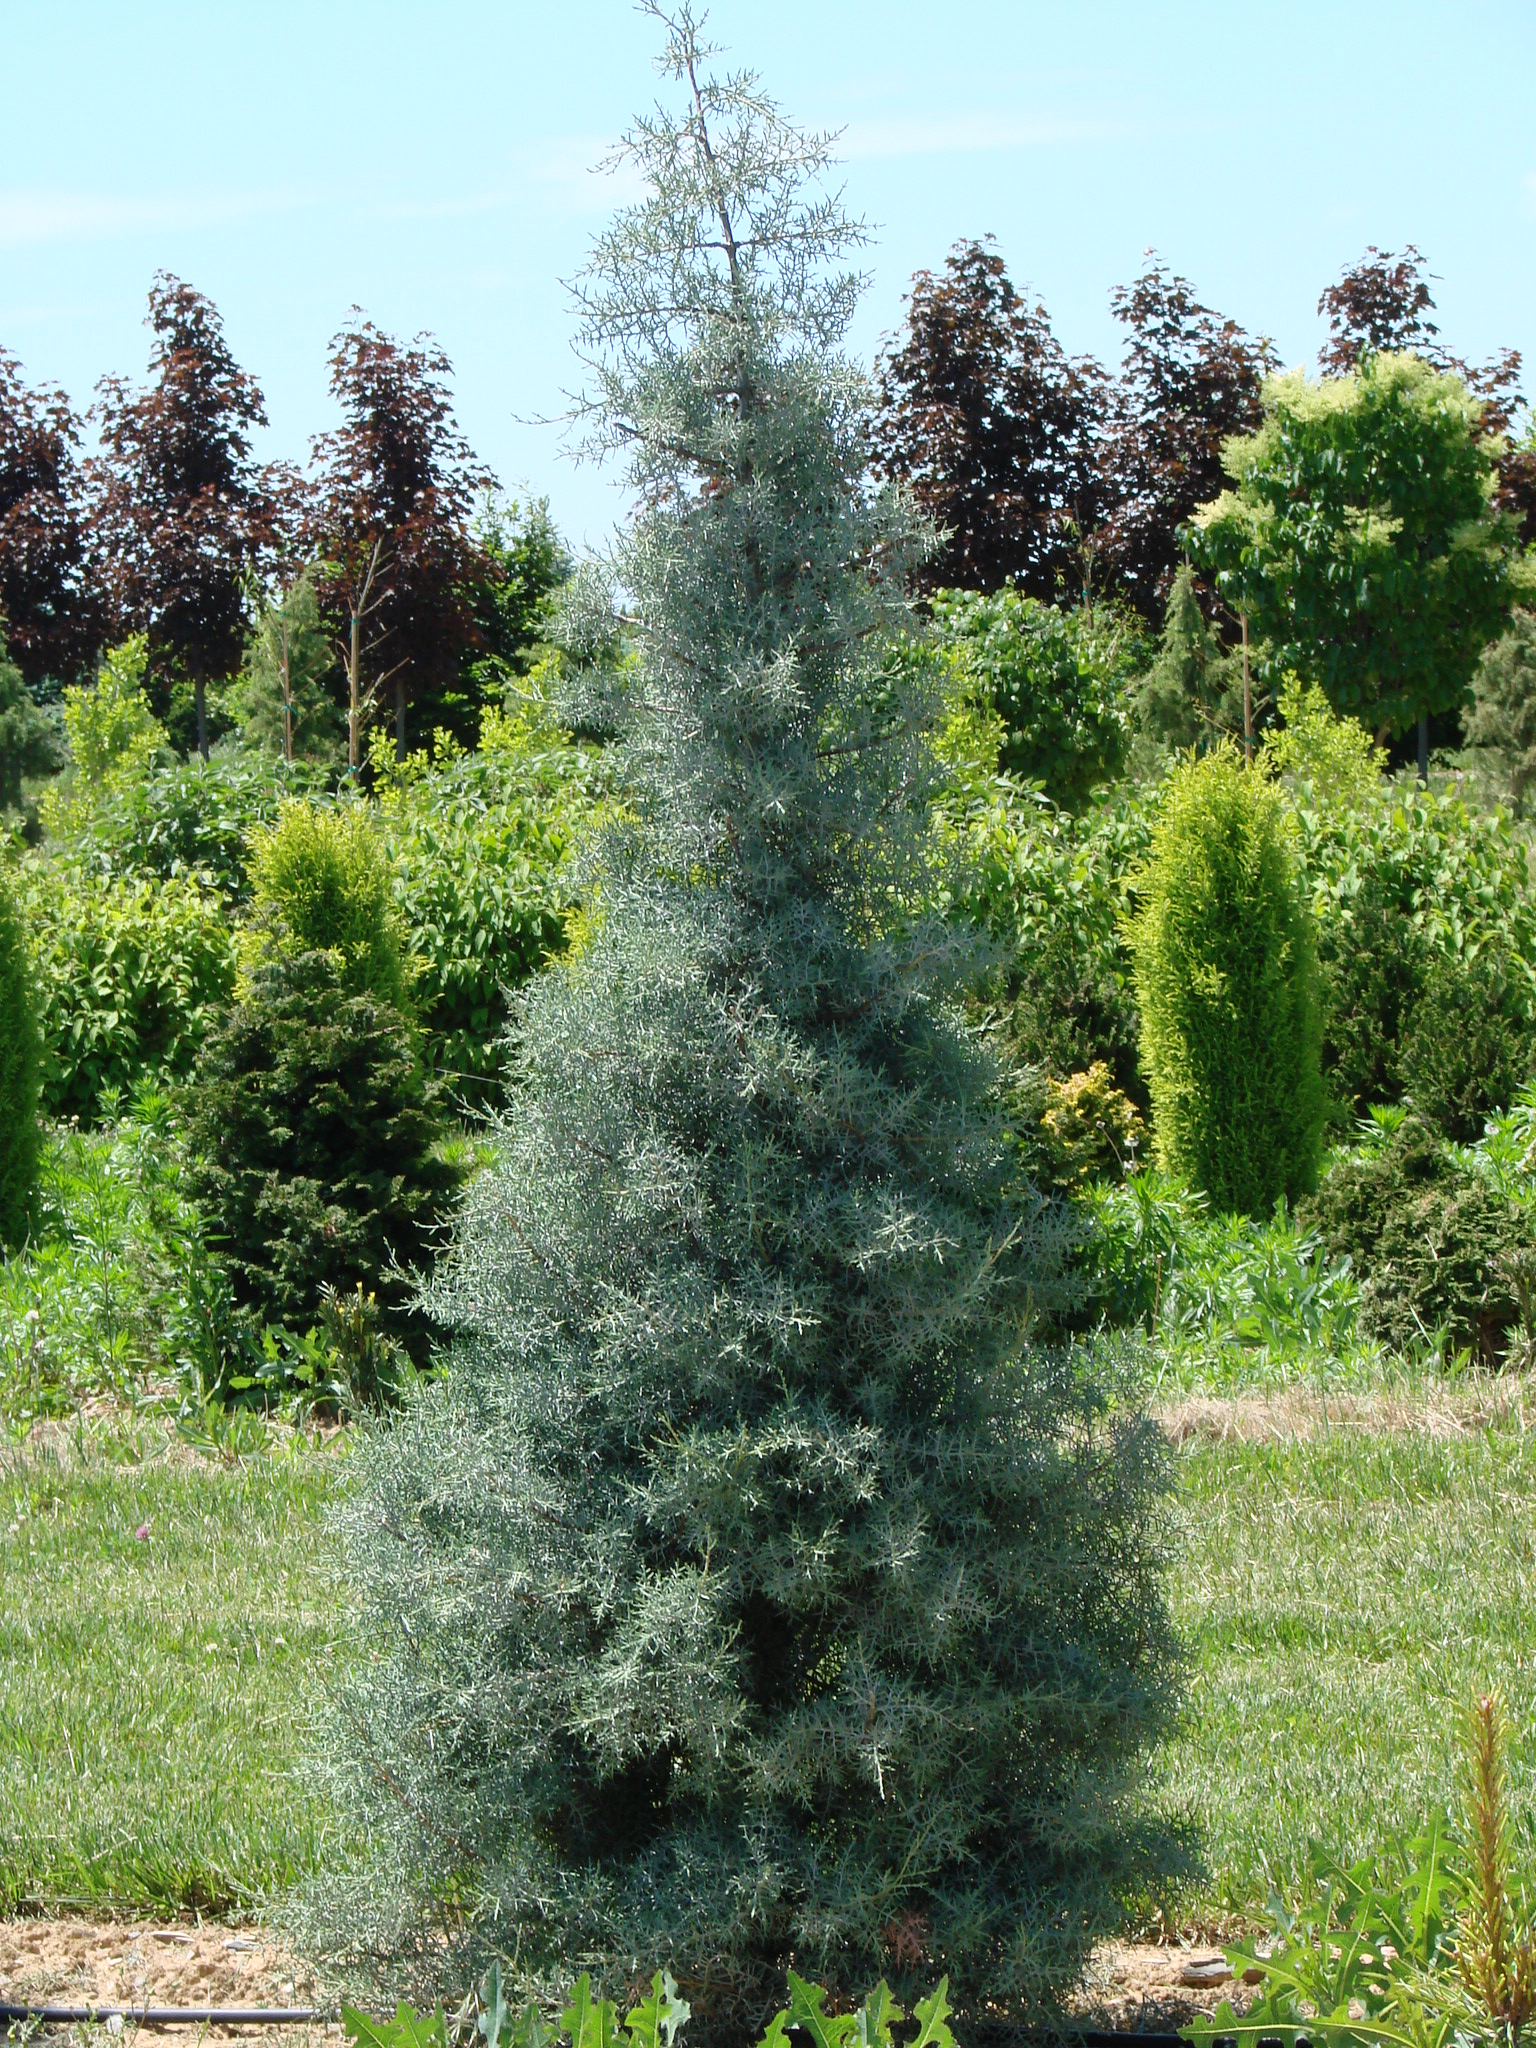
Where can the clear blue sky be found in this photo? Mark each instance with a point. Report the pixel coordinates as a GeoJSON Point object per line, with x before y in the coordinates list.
{"type": "Point", "coordinates": [430, 164]}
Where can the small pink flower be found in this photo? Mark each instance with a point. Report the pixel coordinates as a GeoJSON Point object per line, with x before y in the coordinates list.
{"type": "Point", "coordinates": [141, 1534]}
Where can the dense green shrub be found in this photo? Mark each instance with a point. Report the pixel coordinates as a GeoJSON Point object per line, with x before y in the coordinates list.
{"type": "Point", "coordinates": [19, 1074]}
{"type": "Point", "coordinates": [746, 1586]}
{"type": "Point", "coordinates": [1470, 1045]}
{"type": "Point", "coordinates": [114, 738]}
{"type": "Point", "coordinates": [1226, 978]}
{"type": "Point", "coordinates": [1223, 1299]}
{"type": "Point", "coordinates": [29, 743]}
{"type": "Point", "coordinates": [1503, 716]}
{"type": "Point", "coordinates": [115, 1291]}
{"type": "Point", "coordinates": [1056, 679]}
{"type": "Point", "coordinates": [1434, 1242]}
{"type": "Point", "coordinates": [316, 1130]}
{"type": "Point", "coordinates": [132, 976]}
{"type": "Point", "coordinates": [315, 1135]}
{"type": "Point", "coordinates": [1398, 882]}
{"type": "Point", "coordinates": [1192, 693]}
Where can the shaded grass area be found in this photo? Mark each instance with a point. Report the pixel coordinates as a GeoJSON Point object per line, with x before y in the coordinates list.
{"type": "Point", "coordinates": [151, 1688]}
{"type": "Point", "coordinates": [1344, 1596]}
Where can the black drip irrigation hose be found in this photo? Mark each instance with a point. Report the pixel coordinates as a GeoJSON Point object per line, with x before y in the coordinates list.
{"type": "Point", "coordinates": [161, 2015]}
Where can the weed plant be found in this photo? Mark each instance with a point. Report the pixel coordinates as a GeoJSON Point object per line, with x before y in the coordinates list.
{"type": "Point", "coordinates": [1417, 1946]}
{"type": "Point", "coordinates": [114, 1292]}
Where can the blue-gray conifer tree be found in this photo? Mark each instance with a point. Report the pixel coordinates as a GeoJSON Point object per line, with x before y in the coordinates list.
{"type": "Point", "coordinates": [748, 1588]}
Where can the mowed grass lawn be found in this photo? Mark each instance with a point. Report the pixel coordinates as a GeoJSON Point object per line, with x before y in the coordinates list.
{"type": "Point", "coordinates": [1343, 1596]}
{"type": "Point", "coordinates": [152, 1688]}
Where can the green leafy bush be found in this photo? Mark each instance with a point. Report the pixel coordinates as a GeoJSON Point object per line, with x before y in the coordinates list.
{"type": "Point", "coordinates": [192, 819]}
{"type": "Point", "coordinates": [478, 848]}
{"type": "Point", "coordinates": [1052, 892]}
{"type": "Point", "coordinates": [315, 1137]}
{"type": "Point", "coordinates": [29, 743]}
{"type": "Point", "coordinates": [114, 738]}
{"type": "Point", "coordinates": [132, 977]}
{"type": "Point", "coordinates": [20, 1062]}
{"type": "Point", "coordinates": [1056, 678]}
{"type": "Point", "coordinates": [1226, 978]}
{"type": "Point", "coordinates": [1225, 1300]}
{"type": "Point", "coordinates": [1433, 1241]}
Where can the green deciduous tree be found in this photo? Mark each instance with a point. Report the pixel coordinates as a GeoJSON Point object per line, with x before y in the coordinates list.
{"type": "Point", "coordinates": [1226, 976]}
{"type": "Point", "coordinates": [747, 1586]}
{"type": "Point", "coordinates": [1361, 539]}
{"type": "Point", "coordinates": [20, 1072]}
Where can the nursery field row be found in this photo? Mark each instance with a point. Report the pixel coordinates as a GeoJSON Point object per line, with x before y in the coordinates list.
{"type": "Point", "coordinates": [1343, 1590]}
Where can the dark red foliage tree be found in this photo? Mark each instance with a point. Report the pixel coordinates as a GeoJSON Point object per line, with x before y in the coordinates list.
{"type": "Point", "coordinates": [183, 512]}
{"type": "Point", "coordinates": [993, 427]}
{"type": "Point", "coordinates": [1190, 379]}
{"type": "Point", "coordinates": [391, 516]}
{"type": "Point", "coordinates": [49, 614]}
{"type": "Point", "coordinates": [1380, 304]}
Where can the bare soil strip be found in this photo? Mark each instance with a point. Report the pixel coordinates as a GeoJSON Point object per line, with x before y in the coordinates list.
{"type": "Point", "coordinates": [140, 1962]}
{"type": "Point", "coordinates": [1133, 1985]}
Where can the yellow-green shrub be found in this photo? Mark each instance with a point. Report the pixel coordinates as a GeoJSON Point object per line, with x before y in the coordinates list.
{"type": "Point", "coordinates": [1226, 979]}
{"type": "Point", "coordinates": [323, 886]}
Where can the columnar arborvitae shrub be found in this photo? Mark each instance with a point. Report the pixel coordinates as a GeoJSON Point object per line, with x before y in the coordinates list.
{"type": "Point", "coordinates": [20, 1075]}
{"type": "Point", "coordinates": [313, 1126]}
{"type": "Point", "coordinates": [1226, 977]}
{"type": "Point", "coordinates": [747, 1587]}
